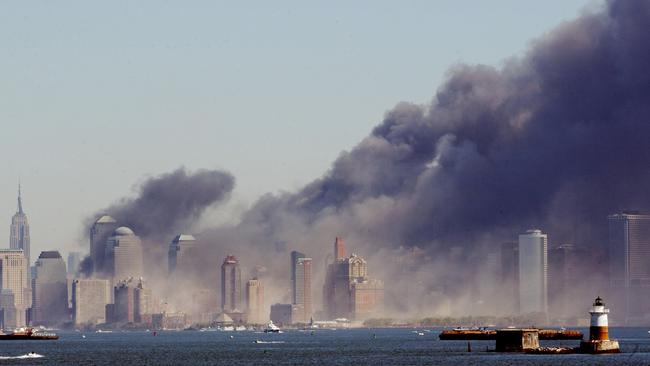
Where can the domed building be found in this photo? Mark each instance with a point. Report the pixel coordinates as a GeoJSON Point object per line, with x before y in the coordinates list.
{"type": "Point", "coordinates": [101, 230]}
{"type": "Point", "coordinates": [124, 255]}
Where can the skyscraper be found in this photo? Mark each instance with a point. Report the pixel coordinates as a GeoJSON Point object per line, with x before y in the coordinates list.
{"type": "Point", "coordinates": [254, 301]}
{"type": "Point", "coordinates": [74, 259]}
{"type": "Point", "coordinates": [14, 277]}
{"type": "Point", "coordinates": [295, 255]}
{"type": "Point", "coordinates": [302, 288]}
{"type": "Point", "coordinates": [50, 290]}
{"type": "Point", "coordinates": [99, 233]}
{"type": "Point", "coordinates": [510, 276]}
{"type": "Point", "coordinates": [132, 301]}
{"type": "Point", "coordinates": [89, 299]}
{"type": "Point", "coordinates": [230, 285]}
{"type": "Point", "coordinates": [124, 255]}
{"type": "Point", "coordinates": [19, 230]}
{"type": "Point", "coordinates": [181, 253]}
{"type": "Point", "coordinates": [629, 261]}
{"type": "Point", "coordinates": [339, 248]}
{"type": "Point", "coordinates": [533, 272]}
{"type": "Point", "coordinates": [348, 292]}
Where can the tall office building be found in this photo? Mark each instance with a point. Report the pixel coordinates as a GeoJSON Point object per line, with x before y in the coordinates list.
{"type": "Point", "coordinates": [348, 291]}
{"type": "Point", "coordinates": [254, 301]}
{"type": "Point", "coordinates": [230, 285]}
{"type": "Point", "coordinates": [14, 277]}
{"type": "Point", "coordinates": [101, 230]}
{"type": "Point", "coordinates": [89, 300]}
{"type": "Point", "coordinates": [339, 248]}
{"type": "Point", "coordinates": [533, 272]}
{"type": "Point", "coordinates": [50, 290]}
{"type": "Point", "coordinates": [182, 253]}
{"type": "Point", "coordinates": [7, 310]}
{"type": "Point", "coordinates": [74, 259]}
{"type": "Point", "coordinates": [19, 230]}
{"type": "Point", "coordinates": [629, 262]}
{"type": "Point", "coordinates": [510, 276]}
{"type": "Point", "coordinates": [124, 255]}
{"type": "Point", "coordinates": [302, 288]}
{"type": "Point", "coordinates": [295, 255]}
{"type": "Point", "coordinates": [132, 302]}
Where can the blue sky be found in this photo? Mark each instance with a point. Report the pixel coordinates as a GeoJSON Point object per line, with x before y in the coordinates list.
{"type": "Point", "coordinates": [95, 96]}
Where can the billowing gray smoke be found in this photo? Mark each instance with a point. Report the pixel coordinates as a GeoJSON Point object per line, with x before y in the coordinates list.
{"type": "Point", "coordinates": [556, 139]}
{"type": "Point", "coordinates": [166, 205]}
{"type": "Point", "coordinates": [170, 203]}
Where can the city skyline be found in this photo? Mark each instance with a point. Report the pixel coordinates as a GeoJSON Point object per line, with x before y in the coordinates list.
{"type": "Point", "coordinates": [430, 188]}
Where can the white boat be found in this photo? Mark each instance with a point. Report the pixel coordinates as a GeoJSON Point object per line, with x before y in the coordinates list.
{"type": "Point", "coordinates": [228, 328]}
{"type": "Point", "coordinates": [240, 328]}
{"type": "Point", "coordinates": [272, 328]}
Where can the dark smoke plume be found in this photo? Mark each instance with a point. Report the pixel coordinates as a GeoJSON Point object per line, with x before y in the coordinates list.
{"type": "Point", "coordinates": [169, 203]}
{"type": "Point", "coordinates": [165, 206]}
{"type": "Point", "coordinates": [556, 139]}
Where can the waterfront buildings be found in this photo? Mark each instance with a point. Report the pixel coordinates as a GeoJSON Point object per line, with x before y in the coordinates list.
{"type": "Point", "coordinates": [19, 231]}
{"type": "Point", "coordinates": [124, 255]}
{"type": "Point", "coordinates": [14, 277]}
{"type": "Point", "coordinates": [301, 293]}
{"type": "Point", "coordinates": [181, 253]}
{"type": "Point", "coordinates": [254, 302]}
{"type": "Point", "coordinates": [50, 290]}
{"type": "Point", "coordinates": [101, 230]}
{"type": "Point", "coordinates": [348, 291]}
{"type": "Point", "coordinates": [286, 314]}
{"type": "Point", "coordinates": [629, 262]}
{"type": "Point", "coordinates": [230, 285]}
{"type": "Point", "coordinates": [533, 272]}
{"type": "Point", "coordinates": [89, 300]}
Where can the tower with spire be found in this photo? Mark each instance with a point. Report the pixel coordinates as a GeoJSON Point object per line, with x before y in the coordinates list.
{"type": "Point", "coordinates": [19, 230]}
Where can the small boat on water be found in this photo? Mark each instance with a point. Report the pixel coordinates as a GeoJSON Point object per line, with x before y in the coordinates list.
{"type": "Point", "coordinates": [27, 334]}
{"type": "Point", "coordinates": [272, 328]}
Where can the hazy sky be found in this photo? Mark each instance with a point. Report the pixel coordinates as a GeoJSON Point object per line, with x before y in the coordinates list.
{"type": "Point", "coordinates": [96, 96]}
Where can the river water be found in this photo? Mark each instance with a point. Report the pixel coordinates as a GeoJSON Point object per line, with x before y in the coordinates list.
{"type": "Point", "coordinates": [321, 347]}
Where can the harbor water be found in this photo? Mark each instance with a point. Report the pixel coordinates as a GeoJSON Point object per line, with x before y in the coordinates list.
{"type": "Point", "coordinates": [321, 347]}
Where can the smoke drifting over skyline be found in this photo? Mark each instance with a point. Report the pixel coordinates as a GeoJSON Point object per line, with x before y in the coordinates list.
{"type": "Point", "coordinates": [556, 139]}
{"type": "Point", "coordinates": [169, 203]}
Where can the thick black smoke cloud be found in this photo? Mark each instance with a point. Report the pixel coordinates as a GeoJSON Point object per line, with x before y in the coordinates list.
{"type": "Point", "coordinates": [169, 203]}
{"type": "Point", "coordinates": [559, 136]}
{"type": "Point", "coordinates": [556, 139]}
{"type": "Point", "coordinates": [165, 206]}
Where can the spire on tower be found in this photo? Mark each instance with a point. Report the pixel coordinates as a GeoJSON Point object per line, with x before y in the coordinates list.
{"type": "Point", "coordinates": [20, 201]}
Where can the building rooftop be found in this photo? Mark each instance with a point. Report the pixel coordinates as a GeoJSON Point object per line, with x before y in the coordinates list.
{"type": "Point", "coordinates": [53, 254]}
{"type": "Point", "coordinates": [184, 237]}
{"type": "Point", "coordinates": [105, 219]}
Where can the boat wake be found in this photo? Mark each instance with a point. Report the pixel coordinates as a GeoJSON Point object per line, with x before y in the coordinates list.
{"type": "Point", "coordinates": [269, 342]}
{"type": "Point", "coordinates": [29, 355]}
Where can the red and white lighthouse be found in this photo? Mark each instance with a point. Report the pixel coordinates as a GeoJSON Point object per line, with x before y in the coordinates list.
{"type": "Point", "coordinates": [599, 329]}
{"type": "Point", "coordinates": [599, 341]}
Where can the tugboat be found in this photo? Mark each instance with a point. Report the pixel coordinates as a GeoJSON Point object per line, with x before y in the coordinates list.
{"type": "Point", "coordinates": [27, 334]}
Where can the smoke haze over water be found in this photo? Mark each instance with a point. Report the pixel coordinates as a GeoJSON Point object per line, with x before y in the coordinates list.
{"type": "Point", "coordinates": [557, 139]}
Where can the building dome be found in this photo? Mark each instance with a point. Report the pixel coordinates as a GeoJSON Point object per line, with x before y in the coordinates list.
{"type": "Point", "coordinates": [123, 231]}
